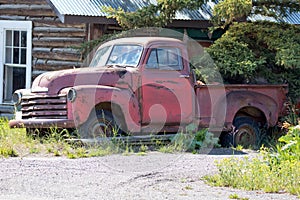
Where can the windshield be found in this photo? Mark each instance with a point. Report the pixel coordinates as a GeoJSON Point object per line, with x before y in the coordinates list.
{"type": "Point", "coordinates": [100, 57]}
{"type": "Point", "coordinates": [125, 55]}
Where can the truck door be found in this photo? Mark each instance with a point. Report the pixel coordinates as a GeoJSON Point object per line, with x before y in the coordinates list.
{"type": "Point", "coordinates": [167, 88]}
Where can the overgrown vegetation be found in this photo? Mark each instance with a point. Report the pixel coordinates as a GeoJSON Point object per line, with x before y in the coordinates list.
{"type": "Point", "coordinates": [153, 15]}
{"type": "Point", "coordinates": [191, 142]}
{"type": "Point", "coordinates": [260, 52]}
{"type": "Point", "coordinates": [229, 11]}
{"type": "Point", "coordinates": [275, 170]}
{"type": "Point", "coordinates": [15, 142]}
{"type": "Point", "coordinates": [255, 52]}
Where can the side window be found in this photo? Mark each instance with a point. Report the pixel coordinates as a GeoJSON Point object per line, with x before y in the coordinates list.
{"type": "Point", "coordinates": [165, 58]}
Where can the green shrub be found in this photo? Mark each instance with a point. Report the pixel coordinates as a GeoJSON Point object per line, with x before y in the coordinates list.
{"type": "Point", "coordinates": [275, 170]}
{"type": "Point", "coordinates": [260, 52]}
{"type": "Point", "coordinates": [191, 141]}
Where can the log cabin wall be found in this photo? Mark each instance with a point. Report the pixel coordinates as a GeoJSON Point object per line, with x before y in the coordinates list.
{"type": "Point", "coordinates": [52, 41]}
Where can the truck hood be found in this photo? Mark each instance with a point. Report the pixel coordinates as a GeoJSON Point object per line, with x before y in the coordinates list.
{"type": "Point", "coordinates": [55, 81]}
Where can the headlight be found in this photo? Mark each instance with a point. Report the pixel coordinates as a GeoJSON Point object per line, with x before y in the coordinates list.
{"type": "Point", "coordinates": [72, 95]}
{"type": "Point", "coordinates": [16, 98]}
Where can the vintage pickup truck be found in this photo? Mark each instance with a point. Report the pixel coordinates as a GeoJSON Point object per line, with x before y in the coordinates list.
{"type": "Point", "coordinates": [143, 85]}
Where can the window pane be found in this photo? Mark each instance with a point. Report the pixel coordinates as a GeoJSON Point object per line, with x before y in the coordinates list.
{"type": "Point", "coordinates": [100, 58]}
{"type": "Point", "coordinates": [127, 55]}
{"type": "Point", "coordinates": [169, 59]}
{"type": "Point", "coordinates": [162, 56]}
{"type": "Point", "coordinates": [8, 38]}
{"type": "Point", "coordinates": [15, 78]}
{"type": "Point", "coordinates": [16, 38]}
{"type": "Point", "coordinates": [16, 56]}
{"type": "Point", "coordinates": [19, 76]}
{"type": "Point", "coordinates": [8, 55]}
{"type": "Point", "coordinates": [23, 38]}
{"type": "Point", "coordinates": [23, 56]}
{"type": "Point", "coordinates": [173, 57]}
{"type": "Point", "coordinates": [152, 60]}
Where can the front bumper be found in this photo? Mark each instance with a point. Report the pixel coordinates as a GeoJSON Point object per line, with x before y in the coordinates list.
{"type": "Point", "coordinates": [42, 123]}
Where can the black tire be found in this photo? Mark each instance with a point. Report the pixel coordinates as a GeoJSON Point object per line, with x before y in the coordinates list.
{"type": "Point", "coordinates": [245, 133]}
{"type": "Point", "coordinates": [100, 124]}
{"type": "Point", "coordinates": [227, 139]}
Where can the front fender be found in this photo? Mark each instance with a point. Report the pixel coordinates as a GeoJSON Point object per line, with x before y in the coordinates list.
{"type": "Point", "coordinates": [88, 96]}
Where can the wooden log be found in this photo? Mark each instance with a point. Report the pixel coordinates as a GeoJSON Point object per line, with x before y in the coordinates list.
{"type": "Point", "coordinates": [60, 39]}
{"type": "Point", "coordinates": [56, 50]}
{"type": "Point", "coordinates": [38, 2]}
{"type": "Point", "coordinates": [57, 56]}
{"type": "Point", "coordinates": [55, 44]}
{"type": "Point", "coordinates": [42, 23]}
{"type": "Point", "coordinates": [48, 20]}
{"type": "Point", "coordinates": [57, 29]}
{"type": "Point", "coordinates": [43, 67]}
{"type": "Point", "coordinates": [66, 34]}
{"type": "Point", "coordinates": [58, 32]}
{"type": "Point", "coordinates": [25, 10]}
{"type": "Point", "coordinates": [12, 17]}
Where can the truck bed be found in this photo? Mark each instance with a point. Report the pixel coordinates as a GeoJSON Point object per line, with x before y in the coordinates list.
{"type": "Point", "coordinates": [217, 102]}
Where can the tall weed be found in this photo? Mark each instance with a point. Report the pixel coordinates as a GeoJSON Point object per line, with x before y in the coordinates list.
{"type": "Point", "coordinates": [275, 170]}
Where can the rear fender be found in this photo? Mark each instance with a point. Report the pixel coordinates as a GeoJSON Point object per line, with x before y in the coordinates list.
{"type": "Point", "coordinates": [87, 97]}
{"type": "Point", "coordinates": [241, 99]}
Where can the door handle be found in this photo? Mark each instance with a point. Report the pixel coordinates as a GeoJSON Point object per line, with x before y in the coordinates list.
{"type": "Point", "coordinates": [184, 76]}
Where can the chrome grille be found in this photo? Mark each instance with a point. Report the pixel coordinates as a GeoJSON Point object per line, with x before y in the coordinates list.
{"type": "Point", "coordinates": [44, 107]}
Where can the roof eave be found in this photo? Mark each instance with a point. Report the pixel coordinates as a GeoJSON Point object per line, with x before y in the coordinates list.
{"type": "Point", "coordinates": [58, 14]}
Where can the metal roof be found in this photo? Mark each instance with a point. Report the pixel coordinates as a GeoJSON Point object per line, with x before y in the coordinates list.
{"type": "Point", "coordinates": [94, 7]}
{"type": "Point", "coordinates": [293, 18]}
{"type": "Point", "coordinates": [91, 10]}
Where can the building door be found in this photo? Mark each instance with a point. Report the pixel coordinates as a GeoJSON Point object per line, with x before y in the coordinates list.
{"type": "Point", "coordinates": [15, 57]}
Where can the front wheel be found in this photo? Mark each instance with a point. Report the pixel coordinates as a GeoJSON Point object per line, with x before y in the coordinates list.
{"type": "Point", "coordinates": [100, 124]}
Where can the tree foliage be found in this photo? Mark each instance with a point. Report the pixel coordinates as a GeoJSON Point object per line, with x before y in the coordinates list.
{"type": "Point", "coordinates": [154, 15]}
{"type": "Point", "coordinates": [275, 8]}
{"type": "Point", "coordinates": [260, 52]}
{"type": "Point", "coordinates": [228, 11]}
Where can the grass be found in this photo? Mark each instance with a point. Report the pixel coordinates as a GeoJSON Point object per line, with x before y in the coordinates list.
{"type": "Point", "coordinates": [274, 170]}
{"type": "Point", "coordinates": [236, 196]}
{"type": "Point", "coordinates": [190, 142]}
{"type": "Point", "coordinates": [15, 142]}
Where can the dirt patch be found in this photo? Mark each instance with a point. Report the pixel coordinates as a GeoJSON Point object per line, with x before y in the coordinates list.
{"type": "Point", "coordinates": [153, 176]}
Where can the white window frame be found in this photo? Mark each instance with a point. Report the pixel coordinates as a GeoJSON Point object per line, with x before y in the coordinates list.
{"type": "Point", "coordinates": [19, 26]}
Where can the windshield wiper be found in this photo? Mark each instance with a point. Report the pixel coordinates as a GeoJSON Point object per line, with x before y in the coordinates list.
{"type": "Point", "coordinates": [116, 66]}
{"type": "Point", "coordinates": [119, 65]}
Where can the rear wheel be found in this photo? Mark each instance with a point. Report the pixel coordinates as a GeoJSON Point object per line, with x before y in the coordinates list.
{"type": "Point", "coordinates": [245, 133]}
{"type": "Point", "coordinates": [100, 124]}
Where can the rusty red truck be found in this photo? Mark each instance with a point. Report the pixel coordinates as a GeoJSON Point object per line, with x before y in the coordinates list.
{"type": "Point", "coordinates": [143, 85]}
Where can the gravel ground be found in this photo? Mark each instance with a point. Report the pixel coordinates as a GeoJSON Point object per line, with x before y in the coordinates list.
{"type": "Point", "coordinates": [154, 176]}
